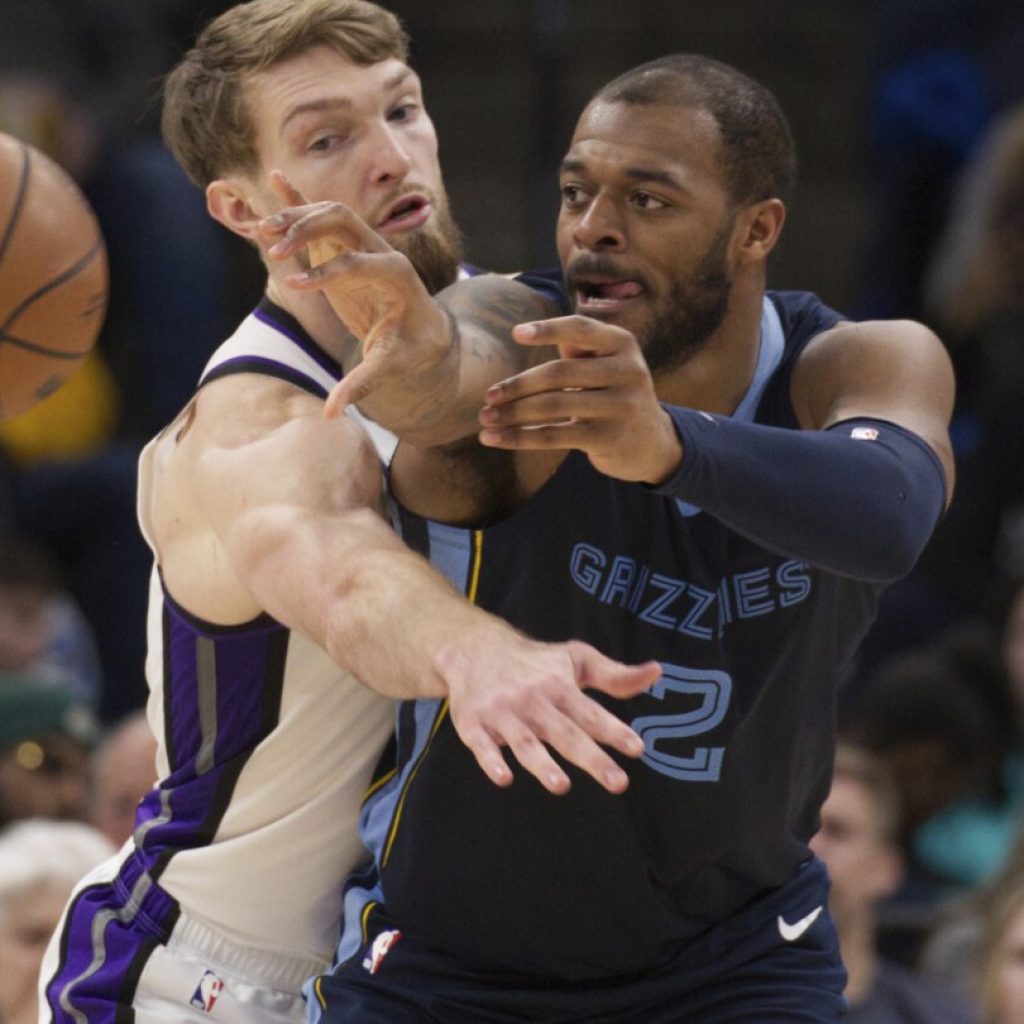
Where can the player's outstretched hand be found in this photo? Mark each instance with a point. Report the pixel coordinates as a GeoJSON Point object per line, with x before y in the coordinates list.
{"type": "Point", "coordinates": [598, 397]}
{"type": "Point", "coordinates": [528, 696]}
{"type": "Point", "coordinates": [373, 289]}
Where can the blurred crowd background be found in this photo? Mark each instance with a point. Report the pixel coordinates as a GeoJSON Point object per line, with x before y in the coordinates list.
{"type": "Point", "coordinates": [909, 121]}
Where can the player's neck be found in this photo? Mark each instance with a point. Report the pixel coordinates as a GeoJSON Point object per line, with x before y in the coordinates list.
{"type": "Point", "coordinates": [318, 320]}
{"type": "Point", "coordinates": [716, 378]}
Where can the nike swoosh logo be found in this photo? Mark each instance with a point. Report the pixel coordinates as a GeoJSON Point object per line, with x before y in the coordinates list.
{"type": "Point", "coordinates": [792, 932]}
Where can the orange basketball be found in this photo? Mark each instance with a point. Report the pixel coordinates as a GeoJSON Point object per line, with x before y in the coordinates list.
{"type": "Point", "coordinates": [53, 276]}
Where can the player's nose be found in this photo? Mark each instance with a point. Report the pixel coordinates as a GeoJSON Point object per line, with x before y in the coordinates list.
{"type": "Point", "coordinates": [599, 227]}
{"type": "Point", "coordinates": [389, 158]}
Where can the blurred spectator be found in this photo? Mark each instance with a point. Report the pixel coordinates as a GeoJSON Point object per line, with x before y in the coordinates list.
{"type": "Point", "coordinates": [976, 299]}
{"type": "Point", "coordinates": [40, 862]}
{"type": "Point", "coordinates": [941, 68]}
{"type": "Point", "coordinates": [952, 946]}
{"type": "Point", "coordinates": [1000, 965]}
{"type": "Point", "coordinates": [45, 739]}
{"type": "Point", "coordinates": [81, 82]}
{"type": "Point", "coordinates": [43, 633]}
{"type": "Point", "coordinates": [82, 511]}
{"type": "Point", "coordinates": [934, 734]}
{"type": "Point", "coordinates": [937, 738]}
{"type": "Point", "coordinates": [969, 839]}
{"type": "Point", "coordinates": [858, 843]}
{"type": "Point", "coordinates": [122, 772]}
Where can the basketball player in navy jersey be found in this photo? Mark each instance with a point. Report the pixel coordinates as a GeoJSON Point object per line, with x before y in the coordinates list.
{"type": "Point", "coordinates": [285, 613]}
{"type": "Point", "coordinates": [696, 470]}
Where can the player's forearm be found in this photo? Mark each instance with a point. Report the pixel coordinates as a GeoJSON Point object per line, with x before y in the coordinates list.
{"type": "Point", "coordinates": [860, 499]}
{"type": "Point", "coordinates": [350, 584]}
{"type": "Point", "coordinates": [432, 369]}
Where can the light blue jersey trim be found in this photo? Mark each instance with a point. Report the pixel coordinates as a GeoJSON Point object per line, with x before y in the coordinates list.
{"type": "Point", "coordinates": [769, 356]}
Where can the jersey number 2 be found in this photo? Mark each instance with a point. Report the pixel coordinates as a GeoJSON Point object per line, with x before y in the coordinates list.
{"type": "Point", "coordinates": [714, 690]}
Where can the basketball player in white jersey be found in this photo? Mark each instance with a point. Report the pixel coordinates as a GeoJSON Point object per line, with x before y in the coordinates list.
{"type": "Point", "coordinates": [285, 614]}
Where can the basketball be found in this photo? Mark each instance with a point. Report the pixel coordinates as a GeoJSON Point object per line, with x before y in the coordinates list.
{"type": "Point", "coordinates": [53, 276]}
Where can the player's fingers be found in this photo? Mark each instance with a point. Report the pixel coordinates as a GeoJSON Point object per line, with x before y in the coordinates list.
{"type": "Point", "coordinates": [338, 399]}
{"type": "Point", "coordinates": [546, 437]}
{"type": "Point", "coordinates": [324, 223]}
{"type": "Point", "coordinates": [385, 272]}
{"type": "Point", "coordinates": [597, 671]}
{"type": "Point", "coordinates": [323, 232]}
{"type": "Point", "coordinates": [352, 389]}
{"type": "Point", "coordinates": [285, 190]}
{"type": "Point", "coordinates": [600, 405]}
{"type": "Point", "coordinates": [565, 376]}
{"type": "Point", "coordinates": [383, 362]}
{"type": "Point", "coordinates": [582, 334]}
{"type": "Point", "coordinates": [531, 753]}
{"type": "Point", "coordinates": [599, 725]}
{"type": "Point", "coordinates": [486, 751]}
{"type": "Point", "coordinates": [560, 729]}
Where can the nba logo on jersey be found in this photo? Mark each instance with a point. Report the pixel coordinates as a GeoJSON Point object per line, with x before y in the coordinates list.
{"type": "Point", "coordinates": [864, 434]}
{"type": "Point", "coordinates": [206, 992]}
{"type": "Point", "coordinates": [379, 949]}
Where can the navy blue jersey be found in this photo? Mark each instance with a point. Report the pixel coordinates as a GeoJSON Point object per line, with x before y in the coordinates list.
{"type": "Point", "coordinates": [739, 731]}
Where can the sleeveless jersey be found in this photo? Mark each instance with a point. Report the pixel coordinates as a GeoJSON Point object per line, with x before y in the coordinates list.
{"type": "Point", "coordinates": [265, 745]}
{"type": "Point", "coordinates": [739, 731]}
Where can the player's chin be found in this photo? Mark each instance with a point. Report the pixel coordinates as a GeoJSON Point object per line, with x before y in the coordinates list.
{"type": "Point", "coordinates": [632, 316]}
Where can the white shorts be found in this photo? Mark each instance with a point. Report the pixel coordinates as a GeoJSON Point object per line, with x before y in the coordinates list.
{"type": "Point", "coordinates": [125, 944]}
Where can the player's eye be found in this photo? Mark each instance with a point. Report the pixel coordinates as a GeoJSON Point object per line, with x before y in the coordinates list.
{"type": "Point", "coordinates": [645, 201]}
{"type": "Point", "coordinates": [404, 112]}
{"type": "Point", "coordinates": [572, 195]}
{"type": "Point", "coordinates": [323, 143]}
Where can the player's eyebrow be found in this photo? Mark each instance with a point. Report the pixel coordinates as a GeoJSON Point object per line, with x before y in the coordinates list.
{"type": "Point", "coordinates": [648, 174]}
{"type": "Point", "coordinates": [571, 165]}
{"type": "Point", "coordinates": [326, 103]}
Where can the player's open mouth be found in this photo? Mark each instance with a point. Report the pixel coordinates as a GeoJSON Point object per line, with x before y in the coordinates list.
{"type": "Point", "coordinates": [406, 214]}
{"type": "Point", "coordinates": [605, 296]}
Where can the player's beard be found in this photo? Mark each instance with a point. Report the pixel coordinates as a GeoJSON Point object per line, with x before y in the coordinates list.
{"type": "Point", "coordinates": [435, 250]}
{"type": "Point", "coordinates": [695, 309]}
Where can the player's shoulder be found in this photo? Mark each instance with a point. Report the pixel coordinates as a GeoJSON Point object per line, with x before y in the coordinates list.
{"type": "Point", "coordinates": [894, 341]}
{"type": "Point", "coordinates": [803, 315]}
{"type": "Point", "coordinates": [502, 298]}
{"type": "Point", "coordinates": [815, 331]}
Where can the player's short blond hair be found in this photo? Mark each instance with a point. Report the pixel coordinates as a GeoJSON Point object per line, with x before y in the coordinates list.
{"type": "Point", "coordinates": [206, 122]}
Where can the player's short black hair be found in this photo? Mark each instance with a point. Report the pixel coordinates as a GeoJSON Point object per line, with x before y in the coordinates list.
{"type": "Point", "coordinates": [758, 155]}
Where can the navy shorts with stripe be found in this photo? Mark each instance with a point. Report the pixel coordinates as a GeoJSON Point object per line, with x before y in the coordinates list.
{"type": "Point", "coordinates": [744, 970]}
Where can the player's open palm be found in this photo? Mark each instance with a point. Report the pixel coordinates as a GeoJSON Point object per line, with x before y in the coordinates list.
{"type": "Point", "coordinates": [529, 697]}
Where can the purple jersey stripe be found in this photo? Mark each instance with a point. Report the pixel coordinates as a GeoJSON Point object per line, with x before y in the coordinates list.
{"type": "Point", "coordinates": [274, 316]}
{"type": "Point", "coordinates": [215, 684]}
{"type": "Point", "coordinates": [222, 696]}
{"type": "Point", "coordinates": [267, 368]}
{"type": "Point", "coordinates": [108, 932]}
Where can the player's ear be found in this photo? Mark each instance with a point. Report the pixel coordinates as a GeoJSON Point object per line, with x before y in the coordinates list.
{"type": "Point", "coordinates": [231, 202]}
{"type": "Point", "coordinates": [760, 227]}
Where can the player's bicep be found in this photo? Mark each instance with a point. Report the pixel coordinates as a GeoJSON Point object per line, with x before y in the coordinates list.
{"type": "Point", "coordinates": [897, 371]}
{"type": "Point", "coordinates": [251, 479]}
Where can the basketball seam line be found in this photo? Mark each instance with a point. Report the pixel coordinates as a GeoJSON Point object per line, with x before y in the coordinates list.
{"type": "Point", "coordinates": [56, 282]}
{"type": "Point", "coordinates": [19, 201]}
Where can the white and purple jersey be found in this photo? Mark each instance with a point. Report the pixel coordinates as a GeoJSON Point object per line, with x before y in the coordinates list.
{"type": "Point", "coordinates": [265, 750]}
